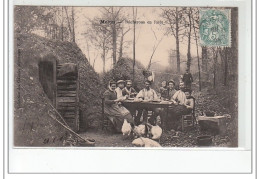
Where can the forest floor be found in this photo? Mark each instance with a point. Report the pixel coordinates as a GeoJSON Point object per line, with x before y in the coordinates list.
{"type": "Point", "coordinates": [188, 138]}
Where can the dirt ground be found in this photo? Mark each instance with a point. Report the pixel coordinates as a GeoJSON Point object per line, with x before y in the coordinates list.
{"type": "Point", "coordinates": [107, 139]}
{"type": "Point", "coordinates": [169, 138]}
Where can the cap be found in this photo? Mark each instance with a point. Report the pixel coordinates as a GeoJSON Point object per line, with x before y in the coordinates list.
{"type": "Point", "coordinates": [120, 81]}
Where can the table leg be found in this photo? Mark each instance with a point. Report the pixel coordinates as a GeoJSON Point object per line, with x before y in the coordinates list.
{"type": "Point", "coordinates": [164, 119]}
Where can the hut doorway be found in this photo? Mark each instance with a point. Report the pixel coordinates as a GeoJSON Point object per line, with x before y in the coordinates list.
{"type": "Point", "coordinates": [60, 83]}
{"type": "Point", "coordinates": [47, 78]}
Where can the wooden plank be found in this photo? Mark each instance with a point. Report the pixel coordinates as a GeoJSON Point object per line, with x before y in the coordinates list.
{"type": "Point", "coordinates": [66, 82]}
{"type": "Point", "coordinates": [69, 115]}
{"type": "Point", "coordinates": [66, 92]}
{"type": "Point", "coordinates": [65, 88]}
{"type": "Point", "coordinates": [66, 104]}
{"type": "Point", "coordinates": [67, 78]}
{"type": "Point", "coordinates": [66, 95]}
{"type": "Point", "coordinates": [70, 108]}
{"type": "Point", "coordinates": [66, 99]}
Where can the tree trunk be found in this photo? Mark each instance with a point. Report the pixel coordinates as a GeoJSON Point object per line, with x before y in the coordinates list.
{"type": "Point", "coordinates": [114, 44]}
{"type": "Point", "coordinates": [104, 58]}
{"type": "Point", "coordinates": [177, 42]}
{"type": "Point", "coordinates": [204, 59]}
{"type": "Point", "coordinates": [121, 47]}
{"type": "Point", "coordinates": [134, 17]}
{"type": "Point", "coordinates": [214, 67]}
{"type": "Point", "coordinates": [114, 38]}
{"type": "Point", "coordinates": [66, 11]}
{"type": "Point", "coordinates": [197, 48]}
{"type": "Point", "coordinates": [233, 51]}
{"type": "Point", "coordinates": [62, 38]}
{"type": "Point", "coordinates": [94, 61]}
{"type": "Point", "coordinates": [225, 66]}
{"type": "Point", "coordinates": [189, 38]}
{"type": "Point", "coordinates": [73, 24]}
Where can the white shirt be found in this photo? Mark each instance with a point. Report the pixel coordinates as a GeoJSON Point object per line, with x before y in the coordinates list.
{"type": "Point", "coordinates": [179, 96]}
{"type": "Point", "coordinates": [147, 94]}
{"type": "Point", "coordinates": [119, 94]}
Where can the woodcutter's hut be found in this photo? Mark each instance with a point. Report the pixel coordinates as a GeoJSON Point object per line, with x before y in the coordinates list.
{"type": "Point", "coordinates": [51, 75]}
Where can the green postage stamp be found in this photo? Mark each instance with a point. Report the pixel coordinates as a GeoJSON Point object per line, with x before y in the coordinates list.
{"type": "Point", "coordinates": [215, 27]}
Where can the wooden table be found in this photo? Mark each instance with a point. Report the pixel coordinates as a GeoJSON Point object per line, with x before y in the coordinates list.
{"type": "Point", "coordinates": [148, 105]}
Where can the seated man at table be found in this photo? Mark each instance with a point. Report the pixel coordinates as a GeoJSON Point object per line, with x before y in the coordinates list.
{"type": "Point", "coordinates": [171, 89]}
{"type": "Point", "coordinates": [149, 95]}
{"type": "Point", "coordinates": [163, 91]}
{"type": "Point", "coordinates": [179, 97]}
{"type": "Point", "coordinates": [189, 104]}
{"type": "Point", "coordinates": [179, 100]}
{"type": "Point", "coordinates": [130, 92]}
{"type": "Point", "coordinates": [119, 89]}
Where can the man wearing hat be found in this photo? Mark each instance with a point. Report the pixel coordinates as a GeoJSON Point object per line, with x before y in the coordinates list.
{"type": "Point", "coordinates": [119, 89]}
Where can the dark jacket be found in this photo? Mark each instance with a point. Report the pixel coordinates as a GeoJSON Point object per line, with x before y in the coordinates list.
{"type": "Point", "coordinates": [187, 78]}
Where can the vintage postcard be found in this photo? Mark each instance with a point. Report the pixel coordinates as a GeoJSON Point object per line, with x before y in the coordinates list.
{"type": "Point", "coordinates": [130, 88]}
{"type": "Point", "coordinates": [125, 76]}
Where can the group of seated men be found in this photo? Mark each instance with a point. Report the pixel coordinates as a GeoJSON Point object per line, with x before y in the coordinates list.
{"type": "Point", "coordinates": [181, 98]}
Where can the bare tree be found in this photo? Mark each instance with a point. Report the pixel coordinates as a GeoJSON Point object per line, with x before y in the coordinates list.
{"type": "Point", "coordinates": [189, 26]}
{"type": "Point", "coordinates": [134, 18]}
{"type": "Point", "coordinates": [174, 17]}
{"type": "Point", "coordinates": [157, 43]}
{"type": "Point", "coordinates": [100, 37]}
{"type": "Point", "coordinates": [224, 57]}
{"type": "Point", "coordinates": [73, 24]}
{"type": "Point", "coordinates": [204, 59]}
{"type": "Point", "coordinates": [113, 15]}
{"type": "Point", "coordinates": [215, 58]}
{"type": "Point", "coordinates": [121, 45]}
{"type": "Point", "coordinates": [195, 25]}
{"type": "Point", "coordinates": [62, 24]}
{"type": "Point", "coordinates": [94, 60]}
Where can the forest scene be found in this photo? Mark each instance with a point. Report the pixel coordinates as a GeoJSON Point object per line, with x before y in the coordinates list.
{"type": "Point", "coordinates": [67, 59]}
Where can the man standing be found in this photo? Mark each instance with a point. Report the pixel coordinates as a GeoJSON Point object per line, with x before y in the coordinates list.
{"type": "Point", "coordinates": [187, 79]}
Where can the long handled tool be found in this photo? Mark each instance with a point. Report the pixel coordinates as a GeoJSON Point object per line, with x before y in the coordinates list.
{"type": "Point", "coordinates": [90, 142]}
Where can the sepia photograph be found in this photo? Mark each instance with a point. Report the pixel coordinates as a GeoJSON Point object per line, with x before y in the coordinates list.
{"type": "Point", "coordinates": [118, 76]}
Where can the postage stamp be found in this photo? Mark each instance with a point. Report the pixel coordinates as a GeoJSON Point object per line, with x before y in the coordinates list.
{"type": "Point", "coordinates": [215, 28]}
